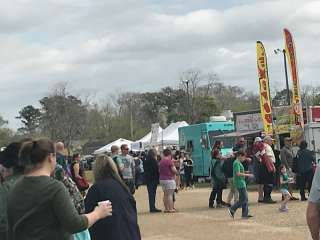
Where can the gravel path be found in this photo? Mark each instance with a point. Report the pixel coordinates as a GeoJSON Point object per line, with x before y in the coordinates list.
{"type": "Point", "coordinates": [195, 221]}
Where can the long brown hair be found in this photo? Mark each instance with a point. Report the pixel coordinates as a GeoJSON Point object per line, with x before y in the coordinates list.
{"type": "Point", "coordinates": [105, 168]}
{"type": "Point", "coordinates": [152, 153]}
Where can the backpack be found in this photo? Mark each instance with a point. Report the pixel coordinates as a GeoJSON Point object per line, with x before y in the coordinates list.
{"type": "Point", "coordinates": [218, 174]}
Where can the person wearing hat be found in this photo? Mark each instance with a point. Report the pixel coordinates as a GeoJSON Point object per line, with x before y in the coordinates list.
{"type": "Point", "coordinates": [13, 170]}
{"type": "Point", "coordinates": [268, 170]}
{"type": "Point", "coordinates": [286, 156]}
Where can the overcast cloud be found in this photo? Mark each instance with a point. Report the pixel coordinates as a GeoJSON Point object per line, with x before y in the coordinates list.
{"type": "Point", "coordinates": [105, 46]}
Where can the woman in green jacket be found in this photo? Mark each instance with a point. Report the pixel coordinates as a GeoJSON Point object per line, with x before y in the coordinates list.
{"type": "Point", "coordinates": [39, 207]}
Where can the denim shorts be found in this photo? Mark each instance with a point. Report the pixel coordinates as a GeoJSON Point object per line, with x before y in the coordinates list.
{"type": "Point", "coordinates": [284, 191]}
{"type": "Point", "coordinates": [168, 184]}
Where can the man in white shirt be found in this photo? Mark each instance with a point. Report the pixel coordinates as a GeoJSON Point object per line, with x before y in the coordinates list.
{"type": "Point", "coordinates": [127, 167]}
{"type": "Point", "coordinates": [268, 178]}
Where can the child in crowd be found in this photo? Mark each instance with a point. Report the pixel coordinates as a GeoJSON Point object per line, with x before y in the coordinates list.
{"type": "Point", "coordinates": [240, 183]}
{"type": "Point", "coordinates": [284, 184]}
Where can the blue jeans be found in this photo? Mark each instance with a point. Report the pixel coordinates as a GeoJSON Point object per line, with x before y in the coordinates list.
{"type": "Point", "coordinates": [243, 202]}
{"type": "Point", "coordinates": [152, 190]}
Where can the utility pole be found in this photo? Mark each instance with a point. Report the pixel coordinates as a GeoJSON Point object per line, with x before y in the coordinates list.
{"type": "Point", "coordinates": [188, 99]}
{"type": "Point", "coordinates": [131, 120]}
{"type": "Point", "coordinates": [276, 51]}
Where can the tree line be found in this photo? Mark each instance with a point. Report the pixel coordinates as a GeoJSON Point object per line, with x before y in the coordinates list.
{"type": "Point", "coordinates": [64, 116]}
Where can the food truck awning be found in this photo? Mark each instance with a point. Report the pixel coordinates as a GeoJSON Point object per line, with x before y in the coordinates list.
{"type": "Point", "coordinates": [240, 134]}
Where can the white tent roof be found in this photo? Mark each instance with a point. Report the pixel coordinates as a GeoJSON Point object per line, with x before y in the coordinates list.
{"type": "Point", "coordinates": [107, 148]}
{"type": "Point", "coordinates": [170, 135]}
{"type": "Point", "coordinates": [144, 141]}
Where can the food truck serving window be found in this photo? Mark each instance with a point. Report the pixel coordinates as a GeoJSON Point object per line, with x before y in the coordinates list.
{"type": "Point", "coordinates": [213, 134]}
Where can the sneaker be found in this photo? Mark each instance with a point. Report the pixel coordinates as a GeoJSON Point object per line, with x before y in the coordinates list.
{"type": "Point", "coordinates": [219, 205]}
{"type": "Point", "coordinates": [283, 209]}
{"type": "Point", "coordinates": [269, 201]}
{"type": "Point", "coordinates": [226, 204]}
{"type": "Point", "coordinates": [155, 210]}
{"type": "Point", "coordinates": [294, 199]}
{"type": "Point", "coordinates": [247, 217]}
{"type": "Point", "coordinates": [231, 213]}
{"type": "Point", "coordinates": [304, 199]}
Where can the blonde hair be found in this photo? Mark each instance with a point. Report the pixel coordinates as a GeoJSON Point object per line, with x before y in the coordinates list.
{"type": "Point", "coordinates": [105, 168]}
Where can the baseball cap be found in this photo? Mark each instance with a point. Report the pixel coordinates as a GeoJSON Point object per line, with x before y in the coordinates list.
{"type": "Point", "coordinates": [287, 139]}
{"type": "Point", "coordinates": [258, 139]}
{"type": "Point", "coordinates": [268, 138]}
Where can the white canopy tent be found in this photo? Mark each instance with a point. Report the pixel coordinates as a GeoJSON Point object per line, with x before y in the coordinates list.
{"type": "Point", "coordinates": [107, 148]}
{"type": "Point", "coordinates": [142, 143]}
{"type": "Point", "coordinates": [170, 135]}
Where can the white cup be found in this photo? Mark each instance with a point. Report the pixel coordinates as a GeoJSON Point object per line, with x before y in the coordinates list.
{"type": "Point", "coordinates": [107, 202]}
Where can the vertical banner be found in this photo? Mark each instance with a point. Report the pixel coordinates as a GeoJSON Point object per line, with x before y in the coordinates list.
{"type": "Point", "coordinates": [291, 56]}
{"type": "Point", "coordinates": [265, 101]}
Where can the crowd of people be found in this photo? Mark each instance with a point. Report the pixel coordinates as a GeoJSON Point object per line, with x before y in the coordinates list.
{"type": "Point", "coordinates": [173, 171]}
{"type": "Point", "coordinates": [57, 202]}
{"type": "Point", "coordinates": [45, 196]}
{"type": "Point", "coordinates": [269, 167]}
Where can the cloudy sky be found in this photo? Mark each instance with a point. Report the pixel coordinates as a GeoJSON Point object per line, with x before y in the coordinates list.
{"type": "Point", "coordinates": [103, 46]}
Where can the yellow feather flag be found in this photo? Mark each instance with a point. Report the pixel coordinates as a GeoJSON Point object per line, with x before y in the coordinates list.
{"type": "Point", "coordinates": [265, 101]}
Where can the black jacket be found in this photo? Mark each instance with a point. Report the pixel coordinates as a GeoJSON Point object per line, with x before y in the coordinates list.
{"type": "Point", "coordinates": [305, 159]}
{"type": "Point", "coordinates": [151, 170]}
{"type": "Point", "coordinates": [123, 224]}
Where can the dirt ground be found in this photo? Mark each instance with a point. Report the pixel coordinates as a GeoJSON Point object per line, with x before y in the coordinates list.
{"type": "Point", "coordinates": [195, 221]}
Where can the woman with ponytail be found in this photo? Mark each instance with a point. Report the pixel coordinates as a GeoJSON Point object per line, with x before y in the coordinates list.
{"type": "Point", "coordinates": [40, 207]}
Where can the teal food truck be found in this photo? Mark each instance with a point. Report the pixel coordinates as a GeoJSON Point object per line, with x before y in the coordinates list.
{"type": "Point", "coordinates": [198, 140]}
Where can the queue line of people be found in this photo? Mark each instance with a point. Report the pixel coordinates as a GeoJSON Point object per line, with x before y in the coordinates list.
{"type": "Point", "coordinates": [39, 200]}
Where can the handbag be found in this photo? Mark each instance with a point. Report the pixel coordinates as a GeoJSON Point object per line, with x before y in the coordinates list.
{"type": "Point", "coordinates": [268, 163]}
{"type": "Point", "coordinates": [84, 235]}
{"type": "Point", "coordinates": [82, 184]}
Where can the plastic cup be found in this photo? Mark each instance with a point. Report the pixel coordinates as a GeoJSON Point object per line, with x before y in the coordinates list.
{"type": "Point", "coordinates": [107, 202]}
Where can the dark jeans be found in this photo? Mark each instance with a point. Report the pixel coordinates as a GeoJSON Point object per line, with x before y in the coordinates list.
{"type": "Point", "coordinates": [152, 190]}
{"type": "Point", "coordinates": [267, 189]}
{"type": "Point", "coordinates": [130, 184]}
{"type": "Point", "coordinates": [305, 179]}
{"type": "Point", "coordinates": [182, 181]}
{"type": "Point", "coordinates": [216, 193]}
{"type": "Point", "coordinates": [243, 202]}
{"type": "Point", "coordinates": [189, 180]}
